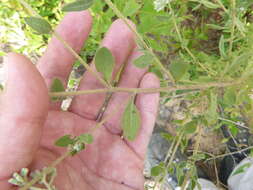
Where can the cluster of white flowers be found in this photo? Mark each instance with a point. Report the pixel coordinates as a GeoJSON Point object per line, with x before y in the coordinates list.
{"type": "Point", "coordinates": [160, 4]}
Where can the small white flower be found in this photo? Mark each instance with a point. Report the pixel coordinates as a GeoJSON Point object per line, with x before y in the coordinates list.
{"type": "Point", "coordinates": [160, 4]}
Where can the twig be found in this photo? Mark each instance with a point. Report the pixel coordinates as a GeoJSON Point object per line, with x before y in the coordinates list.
{"type": "Point", "coordinates": [235, 123]}
{"type": "Point", "coordinates": [143, 90]}
{"type": "Point", "coordinates": [29, 8]}
{"type": "Point", "coordinates": [46, 171]}
{"type": "Point", "coordinates": [68, 153]}
{"type": "Point", "coordinates": [231, 40]}
{"type": "Point", "coordinates": [195, 151]}
{"type": "Point", "coordinates": [140, 38]}
{"type": "Point", "coordinates": [185, 47]}
{"type": "Point", "coordinates": [230, 153]}
{"type": "Point", "coordinates": [66, 45]}
{"type": "Point", "coordinates": [222, 6]}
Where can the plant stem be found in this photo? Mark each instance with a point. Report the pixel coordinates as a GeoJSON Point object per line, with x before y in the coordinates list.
{"type": "Point", "coordinates": [140, 38]}
{"type": "Point", "coordinates": [175, 150]}
{"type": "Point", "coordinates": [171, 154]}
{"type": "Point", "coordinates": [185, 47]}
{"type": "Point", "coordinates": [29, 8]}
{"type": "Point", "coordinates": [46, 171]}
{"type": "Point", "coordinates": [233, 4]}
{"type": "Point", "coordinates": [143, 90]}
{"type": "Point", "coordinates": [67, 46]}
{"type": "Point", "coordinates": [235, 123]}
{"type": "Point", "coordinates": [230, 153]}
{"type": "Point", "coordinates": [222, 6]}
{"type": "Point", "coordinates": [195, 151]}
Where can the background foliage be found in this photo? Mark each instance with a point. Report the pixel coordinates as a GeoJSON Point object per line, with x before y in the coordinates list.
{"type": "Point", "coordinates": [201, 42]}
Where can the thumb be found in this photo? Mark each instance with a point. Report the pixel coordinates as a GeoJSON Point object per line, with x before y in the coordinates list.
{"type": "Point", "coordinates": [23, 110]}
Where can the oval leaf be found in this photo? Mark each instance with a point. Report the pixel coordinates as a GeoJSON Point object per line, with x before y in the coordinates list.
{"type": "Point", "coordinates": [57, 86]}
{"type": "Point", "coordinates": [104, 62]}
{"type": "Point", "coordinates": [178, 69]}
{"type": "Point", "coordinates": [131, 121]}
{"type": "Point", "coordinates": [79, 5]}
{"type": "Point", "coordinates": [41, 26]}
{"type": "Point", "coordinates": [144, 61]}
{"type": "Point", "coordinates": [64, 141]}
{"type": "Point", "coordinates": [190, 128]}
{"type": "Point", "coordinates": [86, 138]}
{"type": "Point", "coordinates": [158, 170]}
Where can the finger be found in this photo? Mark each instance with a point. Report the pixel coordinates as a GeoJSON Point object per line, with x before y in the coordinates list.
{"type": "Point", "coordinates": [120, 41]}
{"type": "Point", "coordinates": [24, 107]}
{"type": "Point", "coordinates": [148, 107]}
{"type": "Point", "coordinates": [57, 61]}
{"type": "Point", "coordinates": [130, 79]}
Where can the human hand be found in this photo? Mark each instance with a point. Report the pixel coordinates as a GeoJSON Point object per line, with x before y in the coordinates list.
{"type": "Point", "coordinates": [30, 123]}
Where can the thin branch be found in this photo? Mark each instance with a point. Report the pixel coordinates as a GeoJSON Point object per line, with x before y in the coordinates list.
{"type": "Point", "coordinates": [231, 40]}
{"type": "Point", "coordinates": [230, 153]}
{"type": "Point", "coordinates": [195, 151]}
{"type": "Point", "coordinates": [222, 6]}
{"type": "Point", "coordinates": [235, 123]}
{"type": "Point", "coordinates": [140, 38]}
{"type": "Point", "coordinates": [48, 170]}
{"type": "Point", "coordinates": [67, 46]}
{"type": "Point", "coordinates": [87, 67]}
{"type": "Point", "coordinates": [29, 8]}
{"type": "Point", "coordinates": [185, 47]}
{"type": "Point", "coordinates": [142, 90]}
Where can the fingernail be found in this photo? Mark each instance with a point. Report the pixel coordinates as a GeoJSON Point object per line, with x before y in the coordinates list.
{"type": "Point", "coordinates": [4, 72]}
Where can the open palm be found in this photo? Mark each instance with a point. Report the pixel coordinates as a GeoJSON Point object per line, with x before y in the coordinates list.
{"type": "Point", "coordinates": [30, 123]}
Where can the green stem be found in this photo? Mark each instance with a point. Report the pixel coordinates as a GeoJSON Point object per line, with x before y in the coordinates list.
{"type": "Point", "coordinates": [140, 38]}
{"type": "Point", "coordinates": [230, 153]}
{"type": "Point", "coordinates": [48, 170]}
{"type": "Point", "coordinates": [142, 90]}
{"type": "Point", "coordinates": [195, 151]}
{"type": "Point", "coordinates": [185, 47]}
{"type": "Point", "coordinates": [222, 6]}
{"type": "Point", "coordinates": [29, 8]}
{"type": "Point", "coordinates": [233, 3]}
{"type": "Point", "coordinates": [67, 46]}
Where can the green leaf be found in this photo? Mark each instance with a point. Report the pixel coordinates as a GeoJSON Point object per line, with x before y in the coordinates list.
{"type": "Point", "coordinates": [241, 169]}
{"type": "Point", "coordinates": [190, 128]}
{"type": "Point", "coordinates": [211, 114]}
{"type": "Point", "coordinates": [207, 4]}
{"type": "Point", "coordinates": [178, 69]}
{"type": "Point", "coordinates": [251, 153]}
{"type": "Point", "coordinates": [240, 25]}
{"type": "Point", "coordinates": [104, 62]}
{"type": "Point", "coordinates": [40, 25]}
{"type": "Point", "coordinates": [222, 46]}
{"type": "Point", "coordinates": [57, 86]}
{"type": "Point", "coordinates": [64, 141]}
{"type": "Point", "coordinates": [167, 136]}
{"type": "Point", "coordinates": [198, 156]}
{"type": "Point", "coordinates": [86, 138]}
{"type": "Point", "coordinates": [154, 69]}
{"type": "Point", "coordinates": [131, 121]}
{"type": "Point", "coordinates": [230, 96]}
{"type": "Point", "coordinates": [78, 5]}
{"type": "Point", "coordinates": [157, 170]}
{"type": "Point", "coordinates": [238, 61]}
{"type": "Point", "coordinates": [144, 61]}
{"type": "Point", "coordinates": [131, 8]}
